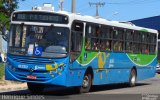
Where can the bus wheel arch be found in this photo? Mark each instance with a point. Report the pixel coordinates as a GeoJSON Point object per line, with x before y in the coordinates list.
{"type": "Point", "coordinates": [133, 77]}
{"type": "Point", "coordinates": [90, 70]}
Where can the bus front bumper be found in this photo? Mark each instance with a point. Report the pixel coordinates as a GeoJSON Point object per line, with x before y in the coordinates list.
{"type": "Point", "coordinates": [42, 78]}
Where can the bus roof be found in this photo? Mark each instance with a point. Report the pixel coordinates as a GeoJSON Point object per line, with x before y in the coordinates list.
{"type": "Point", "coordinates": [98, 20]}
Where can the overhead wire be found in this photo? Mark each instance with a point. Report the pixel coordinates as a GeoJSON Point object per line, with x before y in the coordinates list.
{"type": "Point", "coordinates": [133, 2]}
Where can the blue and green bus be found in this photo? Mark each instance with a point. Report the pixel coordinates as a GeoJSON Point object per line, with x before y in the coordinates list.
{"type": "Point", "coordinates": [72, 50]}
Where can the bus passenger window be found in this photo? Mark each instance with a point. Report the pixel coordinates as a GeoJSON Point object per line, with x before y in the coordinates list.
{"type": "Point", "coordinates": [105, 45]}
{"type": "Point", "coordinates": [144, 49]}
{"type": "Point", "coordinates": [102, 45]}
{"type": "Point", "coordinates": [109, 32]}
{"type": "Point", "coordinates": [98, 32]}
{"type": "Point", "coordinates": [153, 38]}
{"type": "Point", "coordinates": [152, 49]}
{"type": "Point", "coordinates": [136, 37]}
{"type": "Point", "coordinates": [88, 37]}
{"type": "Point", "coordinates": [95, 44]}
{"type": "Point", "coordinates": [108, 45]}
{"type": "Point", "coordinates": [129, 34]}
{"type": "Point", "coordinates": [120, 46]}
{"type": "Point", "coordinates": [135, 48]}
{"type": "Point", "coordinates": [144, 37]}
{"type": "Point", "coordinates": [117, 46]}
{"type": "Point", "coordinates": [118, 34]}
{"type": "Point", "coordinates": [128, 46]}
{"type": "Point", "coordinates": [115, 34]}
{"type": "Point", "coordinates": [88, 44]}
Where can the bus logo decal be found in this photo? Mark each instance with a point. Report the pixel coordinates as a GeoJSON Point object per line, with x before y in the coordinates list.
{"type": "Point", "coordinates": [102, 57]}
{"type": "Point", "coordinates": [31, 69]}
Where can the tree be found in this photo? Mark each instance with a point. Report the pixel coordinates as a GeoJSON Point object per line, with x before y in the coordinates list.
{"type": "Point", "coordinates": [6, 8]}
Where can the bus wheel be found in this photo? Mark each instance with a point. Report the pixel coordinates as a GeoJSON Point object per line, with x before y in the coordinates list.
{"type": "Point", "coordinates": [86, 84]}
{"type": "Point", "coordinates": [132, 79]}
{"type": "Point", "coordinates": [35, 88]}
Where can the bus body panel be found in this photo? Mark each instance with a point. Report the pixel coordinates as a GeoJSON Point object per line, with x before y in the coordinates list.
{"type": "Point", "coordinates": [117, 68]}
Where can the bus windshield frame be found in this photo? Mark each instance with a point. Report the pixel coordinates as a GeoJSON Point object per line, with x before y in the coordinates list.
{"type": "Point", "coordinates": [49, 41]}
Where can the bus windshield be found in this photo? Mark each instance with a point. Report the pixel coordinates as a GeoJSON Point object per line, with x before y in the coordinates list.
{"type": "Point", "coordinates": [41, 41]}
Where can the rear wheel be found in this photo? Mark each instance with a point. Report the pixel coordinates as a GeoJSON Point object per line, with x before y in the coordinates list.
{"type": "Point", "coordinates": [35, 88]}
{"type": "Point", "coordinates": [132, 79]}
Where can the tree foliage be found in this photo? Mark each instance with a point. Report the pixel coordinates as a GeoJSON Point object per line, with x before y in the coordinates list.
{"type": "Point", "coordinates": [6, 8]}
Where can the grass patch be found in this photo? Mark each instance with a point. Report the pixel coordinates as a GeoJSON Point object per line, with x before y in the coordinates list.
{"type": "Point", "coordinates": [2, 65]}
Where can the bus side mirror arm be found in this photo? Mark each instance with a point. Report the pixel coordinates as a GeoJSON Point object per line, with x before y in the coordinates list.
{"type": "Point", "coordinates": [4, 31]}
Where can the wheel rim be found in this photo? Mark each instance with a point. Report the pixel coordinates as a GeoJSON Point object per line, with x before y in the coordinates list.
{"type": "Point", "coordinates": [86, 82]}
{"type": "Point", "coordinates": [133, 79]}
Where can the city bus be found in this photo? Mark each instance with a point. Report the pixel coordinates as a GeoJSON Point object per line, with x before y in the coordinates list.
{"type": "Point", "coordinates": [46, 47]}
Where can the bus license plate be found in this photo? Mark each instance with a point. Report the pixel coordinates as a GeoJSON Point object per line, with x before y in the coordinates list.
{"type": "Point", "coordinates": [31, 77]}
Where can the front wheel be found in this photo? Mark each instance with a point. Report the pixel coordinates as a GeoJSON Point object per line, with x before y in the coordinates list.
{"type": "Point", "coordinates": [35, 88]}
{"type": "Point", "coordinates": [86, 84]}
{"type": "Point", "coordinates": [132, 79]}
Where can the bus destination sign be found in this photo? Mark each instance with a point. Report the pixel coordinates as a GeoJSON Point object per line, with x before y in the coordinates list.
{"type": "Point", "coordinates": [40, 17]}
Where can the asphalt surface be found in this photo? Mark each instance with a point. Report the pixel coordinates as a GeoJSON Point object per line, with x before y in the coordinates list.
{"type": "Point", "coordinates": [144, 90]}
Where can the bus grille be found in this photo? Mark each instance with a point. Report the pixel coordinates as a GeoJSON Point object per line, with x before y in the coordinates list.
{"type": "Point", "coordinates": [31, 60]}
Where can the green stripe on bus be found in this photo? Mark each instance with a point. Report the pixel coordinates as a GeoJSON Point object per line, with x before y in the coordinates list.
{"type": "Point", "coordinates": [144, 30]}
{"type": "Point", "coordinates": [141, 59]}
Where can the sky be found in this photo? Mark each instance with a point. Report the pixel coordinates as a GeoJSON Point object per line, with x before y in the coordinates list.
{"type": "Point", "coordinates": [119, 10]}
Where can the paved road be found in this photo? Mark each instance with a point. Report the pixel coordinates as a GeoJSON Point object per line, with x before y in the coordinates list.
{"type": "Point", "coordinates": [150, 86]}
{"type": "Point", "coordinates": [143, 90]}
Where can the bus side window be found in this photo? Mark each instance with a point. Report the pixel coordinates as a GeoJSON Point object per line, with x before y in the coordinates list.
{"type": "Point", "coordinates": [96, 40]}
{"type": "Point", "coordinates": [93, 34]}
{"type": "Point", "coordinates": [152, 46]}
{"type": "Point", "coordinates": [144, 42]}
{"type": "Point", "coordinates": [105, 45]}
{"type": "Point", "coordinates": [135, 47]}
{"type": "Point", "coordinates": [128, 40]}
{"type": "Point", "coordinates": [88, 37]}
{"type": "Point", "coordinates": [128, 46]}
{"type": "Point", "coordinates": [107, 32]}
{"type": "Point", "coordinates": [117, 46]}
{"type": "Point", "coordinates": [105, 39]}
{"type": "Point", "coordinates": [118, 39]}
{"type": "Point", "coordinates": [76, 39]}
{"type": "Point", "coordinates": [136, 42]}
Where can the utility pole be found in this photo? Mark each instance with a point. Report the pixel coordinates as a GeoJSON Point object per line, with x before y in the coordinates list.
{"type": "Point", "coordinates": [97, 4]}
{"type": "Point", "coordinates": [61, 4]}
{"type": "Point", "coordinates": [73, 6]}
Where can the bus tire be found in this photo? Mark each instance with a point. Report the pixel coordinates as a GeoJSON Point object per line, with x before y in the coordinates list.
{"type": "Point", "coordinates": [87, 83]}
{"type": "Point", "coordinates": [35, 88]}
{"type": "Point", "coordinates": [132, 78]}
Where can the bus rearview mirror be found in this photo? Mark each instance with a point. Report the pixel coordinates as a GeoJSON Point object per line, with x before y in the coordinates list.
{"type": "Point", "coordinates": [5, 31]}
